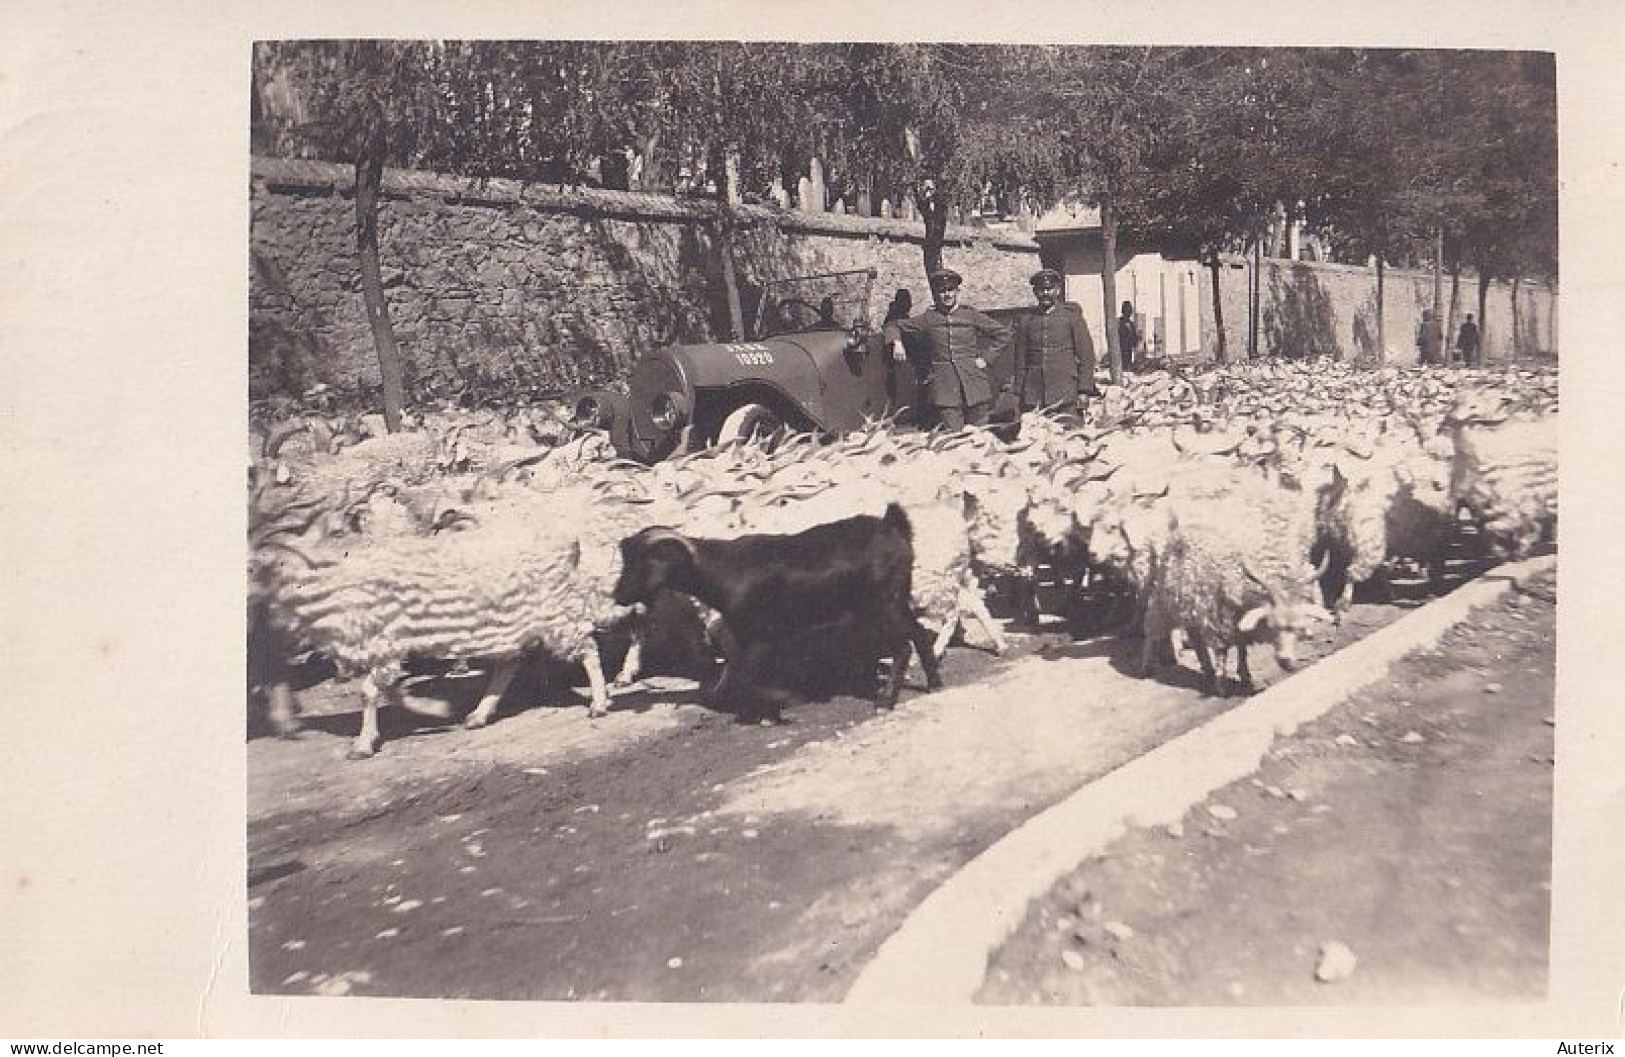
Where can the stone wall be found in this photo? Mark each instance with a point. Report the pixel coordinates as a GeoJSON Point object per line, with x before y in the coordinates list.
{"type": "Point", "coordinates": [1308, 308]}
{"type": "Point", "coordinates": [500, 284]}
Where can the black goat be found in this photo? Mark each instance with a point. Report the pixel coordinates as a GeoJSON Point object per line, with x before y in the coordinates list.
{"type": "Point", "coordinates": [855, 573]}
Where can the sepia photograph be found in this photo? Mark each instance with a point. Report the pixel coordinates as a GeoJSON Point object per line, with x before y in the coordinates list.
{"type": "Point", "coordinates": [786, 521]}
{"type": "Point", "coordinates": [774, 522]}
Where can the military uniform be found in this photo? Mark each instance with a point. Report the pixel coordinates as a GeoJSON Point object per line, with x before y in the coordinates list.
{"type": "Point", "coordinates": [946, 346]}
{"type": "Point", "coordinates": [1429, 339]}
{"type": "Point", "coordinates": [1054, 358]}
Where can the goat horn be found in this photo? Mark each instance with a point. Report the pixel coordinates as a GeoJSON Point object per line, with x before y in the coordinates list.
{"type": "Point", "coordinates": [725, 491]}
{"type": "Point", "coordinates": [502, 470]}
{"type": "Point", "coordinates": [1247, 570]}
{"type": "Point", "coordinates": [449, 517]}
{"type": "Point", "coordinates": [663, 535]}
{"type": "Point", "coordinates": [274, 442]}
{"type": "Point", "coordinates": [288, 548]}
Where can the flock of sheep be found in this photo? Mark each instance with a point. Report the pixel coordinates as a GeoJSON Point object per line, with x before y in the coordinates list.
{"type": "Point", "coordinates": [1219, 508]}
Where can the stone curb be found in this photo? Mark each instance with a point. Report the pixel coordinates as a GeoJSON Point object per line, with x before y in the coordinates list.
{"type": "Point", "coordinates": [939, 954]}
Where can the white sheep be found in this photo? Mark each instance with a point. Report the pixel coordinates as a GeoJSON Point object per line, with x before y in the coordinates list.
{"type": "Point", "coordinates": [1504, 471]}
{"type": "Point", "coordinates": [1227, 564]}
{"type": "Point", "coordinates": [519, 577]}
{"type": "Point", "coordinates": [1375, 505]}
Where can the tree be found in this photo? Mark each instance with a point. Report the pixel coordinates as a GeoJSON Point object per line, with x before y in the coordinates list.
{"type": "Point", "coordinates": [1434, 155]}
{"type": "Point", "coordinates": [371, 102]}
{"type": "Point", "coordinates": [893, 117]}
{"type": "Point", "coordinates": [1512, 170]}
{"type": "Point", "coordinates": [1216, 179]}
{"type": "Point", "coordinates": [1097, 122]}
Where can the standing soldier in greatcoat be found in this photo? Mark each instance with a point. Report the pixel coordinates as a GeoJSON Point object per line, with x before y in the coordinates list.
{"type": "Point", "coordinates": [1054, 357]}
{"type": "Point", "coordinates": [950, 344]}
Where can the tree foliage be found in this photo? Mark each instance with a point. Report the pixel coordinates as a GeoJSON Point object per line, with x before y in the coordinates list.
{"type": "Point", "coordinates": [1377, 151]}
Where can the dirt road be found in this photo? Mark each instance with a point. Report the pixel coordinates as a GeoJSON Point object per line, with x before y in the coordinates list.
{"type": "Point", "coordinates": [1396, 851]}
{"type": "Point", "coordinates": [664, 852]}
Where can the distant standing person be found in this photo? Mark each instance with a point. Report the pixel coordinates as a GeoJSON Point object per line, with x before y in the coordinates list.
{"type": "Point", "coordinates": [1128, 335]}
{"type": "Point", "coordinates": [1429, 339]}
{"type": "Point", "coordinates": [1054, 357]}
{"type": "Point", "coordinates": [1467, 342]}
{"type": "Point", "coordinates": [901, 307]}
{"type": "Point", "coordinates": [950, 343]}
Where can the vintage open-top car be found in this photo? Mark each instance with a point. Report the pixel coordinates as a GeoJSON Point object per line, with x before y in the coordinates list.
{"type": "Point", "coordinates": [815, 360]}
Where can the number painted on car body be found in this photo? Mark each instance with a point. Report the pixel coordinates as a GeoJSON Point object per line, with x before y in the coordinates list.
{"type": "Point", "coordinates": [752, 355]}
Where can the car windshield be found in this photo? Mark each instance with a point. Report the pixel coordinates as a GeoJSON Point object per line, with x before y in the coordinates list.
{"type": "Point", "coordinates": [815, 302]}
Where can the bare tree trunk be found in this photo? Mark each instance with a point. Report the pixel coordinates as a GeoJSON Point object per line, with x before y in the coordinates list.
{"type": "Point", "coordinates": [1483, 314]}
{"type": "Point", "coordinates": [1438, 273]}
{"type": "Point", "coordinates": [1382, 323]}
{"type": "Point", "coordinates": [1108, 284]}
{"type": "Point", "coordinates": [649, 174]}
{"type": "Point", "coordinates": [1255, 294]}
{"type": "Point", "coordinates": [933, 209]}
{"type": "Point", "coordinates": [1517, 330]}
{"type": "Point", "coordinates": [1455, 303]}
{"type": "Point", "coordinates": [1223, 354]}
{"type": "Point", "coordinates": [369, 171]}
{"type": "Point", "coordinates": [726, 174]}
{"type": "Point", "coordinates": [730, 278]}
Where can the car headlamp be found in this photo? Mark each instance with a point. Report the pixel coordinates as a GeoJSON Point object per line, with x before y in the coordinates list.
{"type": "Point", "coordinates": [666, 412]}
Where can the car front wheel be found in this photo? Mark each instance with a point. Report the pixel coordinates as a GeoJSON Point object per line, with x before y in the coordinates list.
{"type": "Point", "coordinates": [751, 421]}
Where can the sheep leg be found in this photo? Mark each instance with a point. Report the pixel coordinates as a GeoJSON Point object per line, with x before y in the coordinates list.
{"type": "Point", "coordinates": [1244, 674]}
{"type": "Point", "coordinates": [1149, 654]}
{"type": "Point", "coordinates": [1073, 584]}
{"type": "Point", "coordinates": [921, 640]}
{"type": "Point", "coordinates": [907, 638]}
{"type": "Point", "coordinates": [634, 659]}
{"type": "Point", "coordinates": [282, 710]}
{"type": "Point", "coordinates": [1135, 606]}
{"type": "Point", "coordinates": [973, 601]}
{"type": "Point", "coordinates": [375, 685]}
{"type": "Point", "coordinates": [939, 648]}
{"type": "Point", "coordinates": [494, 690]}
{"type": "Point", "coordinates": [1211, 681]}
{"type": "Point", "coordinates": [595, 680]}
{"type": "Point", "coordinates": [1155, 639]}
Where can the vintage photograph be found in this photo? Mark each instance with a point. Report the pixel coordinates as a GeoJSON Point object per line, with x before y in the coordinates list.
{"type": "Point", "coordinates": [980, 524]}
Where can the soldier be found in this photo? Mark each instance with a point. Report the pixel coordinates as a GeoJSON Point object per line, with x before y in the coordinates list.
{"type": "Point", "coordinates": [1429, 339]}
{"type": "Point", "coordinates": [1467, 340]}
{"type": "Point", "coordinates": [1128, 335]}
{"type": "Point", "coordinates": [950, 344]}
{"type": "Point", "coordinates": [1054, 359]}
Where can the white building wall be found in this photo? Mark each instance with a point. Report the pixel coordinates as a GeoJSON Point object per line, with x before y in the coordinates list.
{"type": "Point", "coordinates": [1165, 294]}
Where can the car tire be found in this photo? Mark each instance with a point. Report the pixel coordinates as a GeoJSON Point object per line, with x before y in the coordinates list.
{"type": "Point", "coordinates": [750, 419]}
